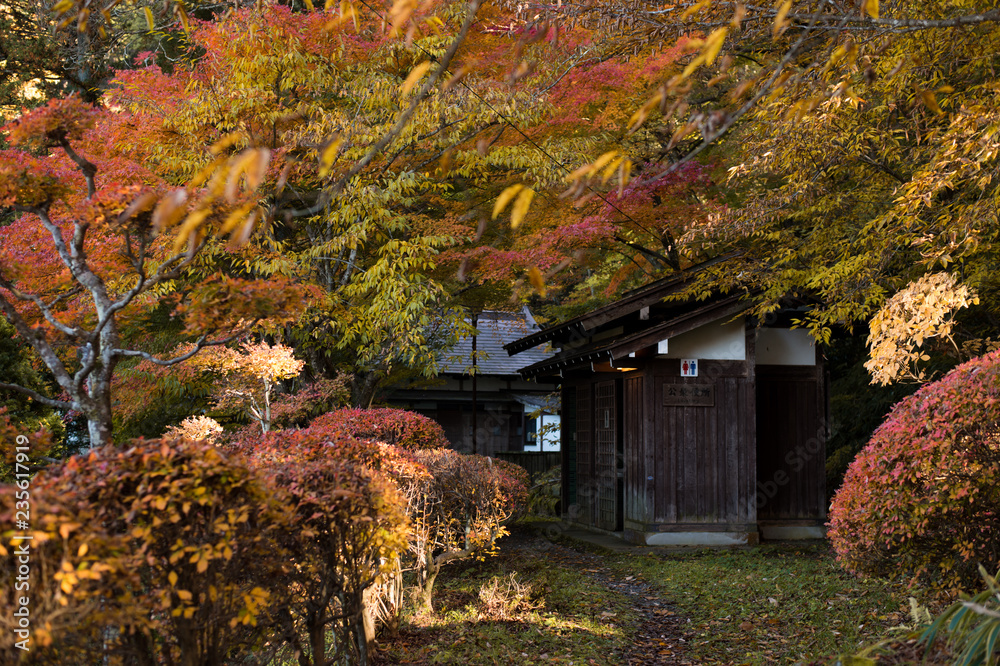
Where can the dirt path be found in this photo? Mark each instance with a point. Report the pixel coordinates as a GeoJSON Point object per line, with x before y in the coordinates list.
{"type": "Point", "coordinates": [660, 638]}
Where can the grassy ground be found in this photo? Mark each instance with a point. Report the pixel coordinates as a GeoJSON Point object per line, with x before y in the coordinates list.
{"type": "Point", "coordinates": [546, 603]}
{"type": "Point", "coordinates": [771, 604]}
{"type": "Point", "coordinates": [523, 606]}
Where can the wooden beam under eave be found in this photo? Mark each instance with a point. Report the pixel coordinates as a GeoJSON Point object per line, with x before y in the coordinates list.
{"type": "Point", "coordinates": [678, 325]}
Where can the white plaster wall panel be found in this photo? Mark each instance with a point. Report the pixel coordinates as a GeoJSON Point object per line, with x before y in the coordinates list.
{"type": "Point", "coordinates": [721, 340]}
{"type": "Point", "coordinates": [785, 346]}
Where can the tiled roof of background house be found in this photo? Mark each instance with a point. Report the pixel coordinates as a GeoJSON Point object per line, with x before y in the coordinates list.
{"type": "Point", "coordinates": [495, 330]}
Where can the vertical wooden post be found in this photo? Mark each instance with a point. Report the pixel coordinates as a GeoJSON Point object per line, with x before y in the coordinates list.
{"type": "Point", "coordinates": [475, 375]}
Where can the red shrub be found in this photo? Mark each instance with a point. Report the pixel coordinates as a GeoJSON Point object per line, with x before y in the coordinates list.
{"type": "Point", "coordinates": [398, 427]}
{"type": "Point", "coordinates": [460, 510]}
{"type": "Point", "coordinates": [350, 526]}
{"type": "Point", "coordinates": [922, 500]}
{"type": "Point", "coordinates": [297, 409]}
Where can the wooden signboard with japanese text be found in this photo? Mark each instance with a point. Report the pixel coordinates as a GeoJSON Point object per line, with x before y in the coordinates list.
{"type": "Point", "coordinates": [689, 395]}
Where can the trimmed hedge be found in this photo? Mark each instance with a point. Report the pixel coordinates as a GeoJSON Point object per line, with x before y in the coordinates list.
{"type": "Point", "coordinates": [922, 499]}
{"type": "Point", "coordinates": [397, 427]}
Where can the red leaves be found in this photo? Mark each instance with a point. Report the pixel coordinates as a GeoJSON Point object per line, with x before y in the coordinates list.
{"type": "Point", "coordinates": [51, 125]}
{"type": "Point", "coordinates": [397, 427]}
{"type": "Point", "coordinates": [920, 500]}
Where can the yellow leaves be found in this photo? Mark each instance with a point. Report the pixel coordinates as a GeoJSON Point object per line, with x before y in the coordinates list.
{"type": "Point", "coordinates": [414, 76]}
{"type": "Point", "coordinates": [252, 164]}
{"type": "Point", "coordinates": [505, 198]}
{"type": "Point", "coordinates": [170, 210]}
{"type": "Point", "coordinates": [709, 51]}
{"type": "Point", "coordinates": [923, 310]}
{"type": "Point", "coordinates": [694, 9]}
{"type": "Point", "coordinates": [537, 280]}
{"type": "Point", "coordinates": [606, 166]}
{"type": "Point", "coordinates": [639, 117]}
{"type": "Point", "coordinates": [150, 23]}
{"type": "Point", "coordinates": [930, 101]}
{"type": "Point", "coordinates": [714, 44]}
{"type": "Point", "coordinates": [347, 13]}
{"type": "Point", "coordinates": [781, 21]}
{"type": "Point", "coordinates": [186, 234]}
{"type": "Point", "coordinates": [521, 205]}
{"type": "Point", "coordinates": [870, 7]}
{"type": "Point", "coordinates": [329, 156]}
{"type": "Point", "coordinates": [172, 578]}
{"type": "Point", "coordinates": [400, 14]}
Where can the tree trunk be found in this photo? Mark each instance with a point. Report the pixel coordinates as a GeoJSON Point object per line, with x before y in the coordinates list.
{"type": "Point", "coordinates": [426, 590]}
{"type": "Point", "coordinates": [99, 420]}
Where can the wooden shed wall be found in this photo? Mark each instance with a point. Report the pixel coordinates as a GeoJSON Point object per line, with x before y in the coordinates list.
{"type": "Point", "coordinates": [791, 443]}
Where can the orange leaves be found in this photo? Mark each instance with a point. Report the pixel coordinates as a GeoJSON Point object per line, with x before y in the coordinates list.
{"type": "Point", "coordinates": [47, 126]}
{"type": "Point", "coordinates": [221, 302]}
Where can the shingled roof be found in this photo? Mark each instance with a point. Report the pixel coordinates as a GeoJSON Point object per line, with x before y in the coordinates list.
{"type": "Point", "coordinates": [496, 329]}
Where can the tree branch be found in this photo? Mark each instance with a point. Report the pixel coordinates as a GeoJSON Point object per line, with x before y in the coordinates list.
{"type": "Point", "coordinates": [87, 167]}
{"type": "Point", "coordinates": [74, 332]}
{"type": "Point", "coordinates": [38, 397]}
{"type": "Point", "coordinates": [424, 92]}
{"type": "Point", "coordinates": [201, 343]}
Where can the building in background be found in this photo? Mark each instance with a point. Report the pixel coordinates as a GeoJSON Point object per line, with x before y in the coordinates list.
{"type": "Point", "coordinates": [493, 408]}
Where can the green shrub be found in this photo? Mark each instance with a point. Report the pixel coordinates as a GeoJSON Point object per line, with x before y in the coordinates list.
{"type": "Point", "coordinates": [922, 500]}
{"type": "Point", "coordinates": [973, 626]}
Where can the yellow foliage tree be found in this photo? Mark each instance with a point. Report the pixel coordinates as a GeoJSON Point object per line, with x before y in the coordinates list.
{"type": "Point", "coordinates": [249, 376]}
{"type": "Point", "coordinates": [925, 309]}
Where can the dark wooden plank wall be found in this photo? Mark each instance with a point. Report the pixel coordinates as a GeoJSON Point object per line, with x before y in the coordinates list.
{"type": "Point", "coordinates": [634, 434]}
{"type": "Point", "coordinates": [605, 471]}
{"type": "Point", "coordinates": [585, 490]}
{"type": "Point", "coordinates": [791, 443]}
{"type": "Point", "coordinates": [704, 461]}
{"type": "Point", "coordinates": [567, 437]}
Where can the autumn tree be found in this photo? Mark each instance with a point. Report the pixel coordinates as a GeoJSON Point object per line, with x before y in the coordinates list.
{"type": "Point", "coordinates": [88, 255]}
{"type": "Point", "coordinates": [248, 377]}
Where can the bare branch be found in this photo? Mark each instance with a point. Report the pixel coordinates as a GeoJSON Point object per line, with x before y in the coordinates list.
{"type": "Point", "coordinates": [37, 397]}
{"type": "Point", "coordinates": [71, 331]}
{"type": "Point", "coordinates": [200, 344]}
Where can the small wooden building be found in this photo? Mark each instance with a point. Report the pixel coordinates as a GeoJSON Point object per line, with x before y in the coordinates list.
{"type": "Point", "coordinates": [688, 423]}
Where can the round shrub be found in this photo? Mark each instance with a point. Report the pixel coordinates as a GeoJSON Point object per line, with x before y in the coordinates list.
{"type": "Point", "coordinates": [350, 527]}
{"type": "Point", "coordinates": [398, 427]}
{"type": "Point", "coordinates": [922, 499]}
{"type": "Point", "coordinates": [165, 552]}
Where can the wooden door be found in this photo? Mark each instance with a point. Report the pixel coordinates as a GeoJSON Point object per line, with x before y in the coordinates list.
{"type": "Point", "coordinates": [605, 458]}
